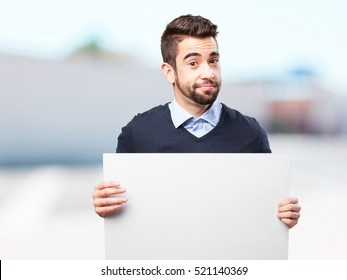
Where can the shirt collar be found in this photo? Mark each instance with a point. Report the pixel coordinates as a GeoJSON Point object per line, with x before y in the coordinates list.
{"type": "Point", "coordinates": [179, 115]}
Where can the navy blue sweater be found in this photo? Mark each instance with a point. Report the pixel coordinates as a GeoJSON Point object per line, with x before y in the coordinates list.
{"type": "Point", "coordinates": [154, 132]}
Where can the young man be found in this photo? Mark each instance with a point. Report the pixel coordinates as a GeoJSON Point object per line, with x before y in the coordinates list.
{"type": "Point", "coordinates": [194, 122]}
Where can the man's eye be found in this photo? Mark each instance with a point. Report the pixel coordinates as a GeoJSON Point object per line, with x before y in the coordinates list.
{"type": "Point", "coordinates": [214, 60]}
{"type": "Point", "coordinates": [192, 63]}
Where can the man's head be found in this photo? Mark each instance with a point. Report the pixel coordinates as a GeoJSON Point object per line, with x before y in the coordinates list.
{"type": "Point", "coordinates": [181, 28]}
{"type": "Point", "coordinates": [191, 62]}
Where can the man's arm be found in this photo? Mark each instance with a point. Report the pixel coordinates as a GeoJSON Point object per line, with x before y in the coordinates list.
{"type": "Point", "coordinates": [289, 211]}
{"type": "Point", "coordinates": [125, 139]}
{"type": "Point", "coordinates": [264, 146]}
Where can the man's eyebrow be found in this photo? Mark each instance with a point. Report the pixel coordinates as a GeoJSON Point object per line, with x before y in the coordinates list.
{"type": "Point", "coordinates": [191, 54]}
{"type": "Point", "coordinates": [198, 54]}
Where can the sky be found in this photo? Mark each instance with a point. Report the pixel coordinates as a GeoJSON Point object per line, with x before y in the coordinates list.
{"type": "Point", "coordinates": [256, 38]}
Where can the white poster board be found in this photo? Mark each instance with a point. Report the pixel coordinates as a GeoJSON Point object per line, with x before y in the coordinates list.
{"type": "Point", "coordinates": [198, 206]}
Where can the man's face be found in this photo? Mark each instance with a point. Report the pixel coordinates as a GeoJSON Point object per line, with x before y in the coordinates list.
{"type": "Point", "coordinates": [198, 76]}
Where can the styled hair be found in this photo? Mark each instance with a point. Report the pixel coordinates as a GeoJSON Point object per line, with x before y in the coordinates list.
{"type": "Point", "coordinates": [180, 28]}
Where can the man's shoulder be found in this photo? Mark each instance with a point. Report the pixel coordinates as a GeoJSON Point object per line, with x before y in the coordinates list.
{"type": "Point", "coordinates": [160, 109]}
{"type": "Point", "coordinates": [237, 115]}
{"type": "Point", "coordinates": [155, 114]}
{"type": "Point", "coordinates": [246, 128]}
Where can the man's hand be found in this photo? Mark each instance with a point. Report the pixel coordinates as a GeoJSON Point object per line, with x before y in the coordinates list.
{"type": "Point", "coordinates": [289, 211]}
{"type": "Point", "coordinates": [105, 204]}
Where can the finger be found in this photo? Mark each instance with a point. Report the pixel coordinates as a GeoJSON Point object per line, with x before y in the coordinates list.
{"type": "Point", "coordinates": [110, 201]}
{"type": "Point", "coordinates": [107, 192]}
{"type": "Point", "coordinates": [103, 211]}
{"type": "Point", "coordinates": [107, 184]}
{"type": "Point", "coordinates": [288, 200]}
{"type": "Point", "coordinates": [290, 207]}
{"type": "Point", "coordinates": [289, 215]}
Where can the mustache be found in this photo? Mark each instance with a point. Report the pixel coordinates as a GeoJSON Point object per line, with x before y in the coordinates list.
{"type": "Point", "coordinates": [213, 83]}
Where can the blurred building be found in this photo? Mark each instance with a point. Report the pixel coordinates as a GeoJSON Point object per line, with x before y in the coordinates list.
{"type": "Point", "coordinates": [71, 111]}
{"type": "Point", "coordinates": [294, 102]}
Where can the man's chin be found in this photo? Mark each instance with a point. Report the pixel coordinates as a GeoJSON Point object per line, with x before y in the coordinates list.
{"type": "Point", "coordinates": [205, 100]}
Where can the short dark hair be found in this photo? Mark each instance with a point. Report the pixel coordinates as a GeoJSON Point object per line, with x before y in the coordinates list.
{"type": "Point", "coordinates": [180, 28]}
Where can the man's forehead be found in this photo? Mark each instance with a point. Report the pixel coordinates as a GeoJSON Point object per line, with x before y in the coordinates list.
{"type": "Point", "coordinates": [197, 45]}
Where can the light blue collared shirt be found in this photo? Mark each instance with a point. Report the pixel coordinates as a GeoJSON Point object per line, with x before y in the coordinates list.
{"type": "Point", "coordinates": [197, 126]}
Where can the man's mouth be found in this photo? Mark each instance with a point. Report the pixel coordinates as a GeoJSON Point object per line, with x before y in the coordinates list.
{"type": "Point", "coordinates": [209, 85]}
{"type": "Point", "coordinates": [206, 87]}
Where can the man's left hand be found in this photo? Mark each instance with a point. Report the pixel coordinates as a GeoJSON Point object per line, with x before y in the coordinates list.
{"type": "Point", "coordinates": [289, 211]}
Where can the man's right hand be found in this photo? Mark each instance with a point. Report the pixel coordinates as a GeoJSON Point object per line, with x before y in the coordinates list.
{"type": "Point", "coordinates": [104, 203]}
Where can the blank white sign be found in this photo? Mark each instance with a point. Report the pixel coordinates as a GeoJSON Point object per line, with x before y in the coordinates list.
{"type": "Point", "coordinates": [198, 206]}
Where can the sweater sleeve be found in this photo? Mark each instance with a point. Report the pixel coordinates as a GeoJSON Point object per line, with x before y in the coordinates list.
{"type": "Point", "coordinates": [125, 140]}
{"type": "Point", "coordinates": [264, 146]}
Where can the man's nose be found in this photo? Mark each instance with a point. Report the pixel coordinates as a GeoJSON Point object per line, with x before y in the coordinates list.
{"type": "Point", "coordinates": [206, 71]}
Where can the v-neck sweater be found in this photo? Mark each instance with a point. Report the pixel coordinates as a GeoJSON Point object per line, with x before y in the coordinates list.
{"type": "Point", "coordinates": [154, 132]}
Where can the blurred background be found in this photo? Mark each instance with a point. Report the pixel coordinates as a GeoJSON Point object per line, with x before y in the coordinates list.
{"type": "Point", "coordinates": [72, 73]}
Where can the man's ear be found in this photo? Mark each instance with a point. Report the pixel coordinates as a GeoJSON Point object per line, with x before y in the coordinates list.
{"type": "Point", "coordinates": [168, 72]}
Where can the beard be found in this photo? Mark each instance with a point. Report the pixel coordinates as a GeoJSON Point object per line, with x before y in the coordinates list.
{"type": "Point", "coordinates": [206, 98]}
